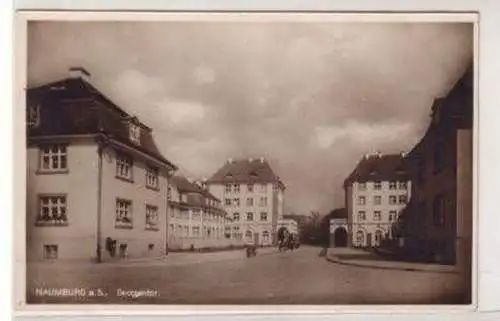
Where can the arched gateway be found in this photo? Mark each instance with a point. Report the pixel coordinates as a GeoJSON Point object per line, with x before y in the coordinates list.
{"type": "Point", "coordinates": [340, 237]}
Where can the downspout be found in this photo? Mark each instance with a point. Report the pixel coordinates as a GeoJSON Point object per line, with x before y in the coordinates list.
{"type": "Point", "coordinates": [100, 147]}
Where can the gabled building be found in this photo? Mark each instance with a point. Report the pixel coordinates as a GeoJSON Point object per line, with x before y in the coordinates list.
{"type": "Point", "coordinates": [376, 191]}
{"type": "Point", "coordinates": [253, 196]}
{"type": "Point", "coordinates": [437, 225]}
{"type": "Point", "coordinates": [96, 181]}
{"type": "Point", "coordinates": [197, 218]}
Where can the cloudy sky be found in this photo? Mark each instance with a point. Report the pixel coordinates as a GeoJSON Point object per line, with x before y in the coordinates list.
{"type": "Point", "coordinates": [310, 97]}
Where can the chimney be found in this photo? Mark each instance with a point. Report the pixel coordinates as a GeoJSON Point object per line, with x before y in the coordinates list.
{"type": "Point", "coordinates": [79, 72]}
{"type": "Point", "coordinates": [262, 159]}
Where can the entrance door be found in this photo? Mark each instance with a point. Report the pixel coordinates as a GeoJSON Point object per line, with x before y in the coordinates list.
{"type": "Point", "coordinates": [369, 239]}
{"type": "Point", "coordinates": [256, 238]}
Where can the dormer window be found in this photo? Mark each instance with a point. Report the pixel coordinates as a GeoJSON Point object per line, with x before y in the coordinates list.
{"type": "Point", "coordinates": [135, 133]}
{"type": "Point", "coordinates": [33, 116]}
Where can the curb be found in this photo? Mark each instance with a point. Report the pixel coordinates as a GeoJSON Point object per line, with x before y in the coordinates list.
{"type": "Point", "coordinates": [341, 262]}
{"type": "Point", "coordinates": [133, 263]}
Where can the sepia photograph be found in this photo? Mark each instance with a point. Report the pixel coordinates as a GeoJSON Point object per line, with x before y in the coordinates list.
{"type": "Point", "coordinates": [250, 160]}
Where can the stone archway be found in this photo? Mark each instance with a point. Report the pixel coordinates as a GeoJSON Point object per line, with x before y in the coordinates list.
{"type": "Point", "coordinates": [340, 237]}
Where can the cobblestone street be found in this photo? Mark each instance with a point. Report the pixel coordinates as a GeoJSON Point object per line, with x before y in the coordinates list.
{"type": "Point", "coordinates": [300, 277]}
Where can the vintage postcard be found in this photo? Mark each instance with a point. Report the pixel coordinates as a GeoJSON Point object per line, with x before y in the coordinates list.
{"type": "Point", "coordinates": [247, 159]}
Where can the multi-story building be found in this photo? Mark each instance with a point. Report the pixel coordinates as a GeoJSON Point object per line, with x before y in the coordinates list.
{"type": "Point", "coordinates": [376, 191]}
{"type": "Point", "coordinates": [253, 196]}
{"type": "Point", "coordinates": [437, 224]}
{"type": "Point", "coordinates": [196, 217]}
{"type": "Point", "coordinates": [96, 182]}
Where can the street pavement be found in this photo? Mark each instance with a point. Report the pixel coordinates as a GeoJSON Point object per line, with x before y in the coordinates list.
{"type": "Point", "coordinates": [272, 277]}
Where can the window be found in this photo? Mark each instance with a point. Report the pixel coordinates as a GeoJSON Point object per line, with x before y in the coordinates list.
{"type": "Point", "coordinates": [152, 179]}
{"type": "Point", "coordinates": [378, 237]}
{"type": "Point", "coordinates": [236, 188]}
{"type": "Point", "coordinates": [249, 216]}
{"type": "Point", "coordinates": [249, 201]}
{"type": "Point", "coordinates": [392, 199]}
{"type": "Point", "coordinates": [265, 236]}
{"type": "Point", "coordinates": [392, 216]}
{"type": "Point", "coordinates": [360, 238]}
{"type": "Point", "coordinates": [236, 216]}
{"type": "Point", "coordinates": [248, 234]}
{"type": "Point", "coordinates": [377, 200]}
{"type": "Point", "coordinates": [169, 193]}
{"type": "Point", "coordinates": [263, 216]}
{"type": "Point", "coordinates": [228, 188]}
{"type": "Point", "coordinates": [228, 201]}
{"type": "Point", "coordinates": [263, 188]}
{"type": "Point", "coordinates": [196, 213]}
{"type": "Point", "coordinates": [236, 202]}
{"type": "Point", "coordinates": [361, 215]}
{"type": "Point", "coordinates": [438, 209]}
{"type": "Point", "coordinates": [377, 185]}
{"type": "Point", "coordinates": [402, 199]}
{"type": "Point", "coordinates": [196, 231]}
{"type": "Point", "coordinates": [186, 230]}
{"type": "Point", "coordinates": [361, 200]}
{"type": "Point", "coordinates": [362, 186]}
{"type": "Point", "coordinates": [151, 217]}
{"type": "Point", "coordinates": [151, 246]}
{"type": "Point", "coordinates": [135, 133]}
{"type": "Point", "coordinates": [250, 188]}
{"type": "Point", "coordinates": [171, 228]}
{"type": "Point", "coordinates": [52, 211]}
{"type": "Point", "coordinates": [403, 185]}
{"type": "Point", "coordinates": [263, 201]}
{"type": "Point", "coordinates": [123, 213]}
{"type": "Point", "coordinates": [33, 116]}
{"type": "Point", "coordinates": [124, 164]}
{"type": "Point", "coordinates": [53, 158]}
{"type": "Point", "coordinates": [392, 185]}
{"type": "Point", "coordinates": [50, 251]}
{"type": "Point", "coordinates": [377, 216]}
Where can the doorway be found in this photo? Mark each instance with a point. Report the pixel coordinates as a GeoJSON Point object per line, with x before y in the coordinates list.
{"type": "Point", "coordinates": [340, 237]}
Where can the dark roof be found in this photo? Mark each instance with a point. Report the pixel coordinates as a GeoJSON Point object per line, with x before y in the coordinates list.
{"type": "Point", "coordinates": [453, 111]}
{"type": "Point", "coordinates": [74, 107]}
{"type": "Point", "coordinates": [338, 213]}
{"type": "Point", "coordinates": [245, 171]}
{"type": "Point", "coordinates": [379, 168]}
{"type": "Point", "coordinates": [183, 185]}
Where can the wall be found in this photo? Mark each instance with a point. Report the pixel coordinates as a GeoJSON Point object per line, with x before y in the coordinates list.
{"type": "Point", "coordinates": [78, 239]}
{"type": "Point", "coordinates": [136, 238]}
{"type": "Point", "coordinates": [256, 226]}
{"type": "Point", "coordinates": [464, 200]}
{"type": "Point", "coordinates": [370, 226]}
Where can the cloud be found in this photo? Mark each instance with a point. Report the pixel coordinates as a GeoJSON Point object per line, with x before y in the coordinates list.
{"type": "Point", "coordinates": [180, 113]}
{"type": "Point", "coordinates": [361, 133]}
{"type": "Point", "coordinates": [204, 75]}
